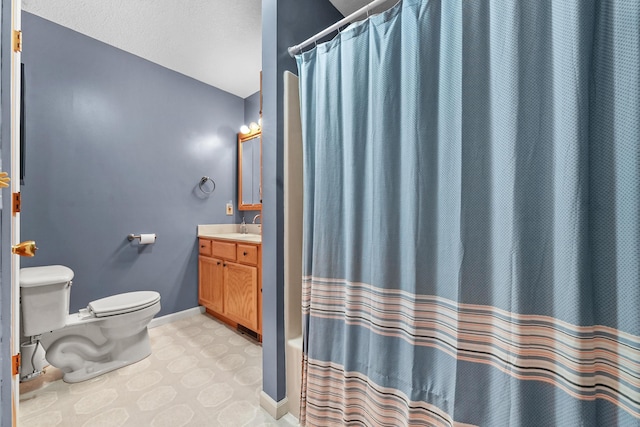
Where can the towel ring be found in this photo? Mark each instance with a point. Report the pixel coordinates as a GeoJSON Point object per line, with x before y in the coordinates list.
{"type": "Point", "coordinates": [203, 181]}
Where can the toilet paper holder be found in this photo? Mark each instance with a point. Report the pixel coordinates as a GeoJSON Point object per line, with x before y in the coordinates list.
{"type": "Point", "coordinates": [132, 237]}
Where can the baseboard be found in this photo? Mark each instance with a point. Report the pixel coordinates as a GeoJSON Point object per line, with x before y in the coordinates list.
{"type": "Point", "coordinates": [291, 419]}
{"type": "Point", "coordinates": [273, 408]}
{"type": "Point", "coordinates": [159, 321]}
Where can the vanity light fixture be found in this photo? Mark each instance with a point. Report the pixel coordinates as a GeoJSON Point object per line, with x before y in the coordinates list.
{"type": "Point", "coordinates": [252, 128]}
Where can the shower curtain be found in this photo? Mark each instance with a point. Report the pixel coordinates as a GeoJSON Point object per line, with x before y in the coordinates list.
{"type": "Point", "coordinates": [471, 216]}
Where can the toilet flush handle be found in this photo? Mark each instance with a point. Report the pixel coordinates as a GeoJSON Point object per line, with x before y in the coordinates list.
{"type": "Point", "coordinates": [26, 248]}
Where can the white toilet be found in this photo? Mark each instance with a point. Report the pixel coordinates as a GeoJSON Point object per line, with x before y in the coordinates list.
{"type": "Point", "coordinates": [109, 334]}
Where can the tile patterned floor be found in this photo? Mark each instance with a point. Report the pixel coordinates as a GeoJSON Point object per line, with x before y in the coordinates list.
{"type": "Point", "coordinates": [200, 373]}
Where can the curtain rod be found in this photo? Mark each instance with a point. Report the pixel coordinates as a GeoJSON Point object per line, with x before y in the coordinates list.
{"type": "Point", "coordinates": [358, 13]}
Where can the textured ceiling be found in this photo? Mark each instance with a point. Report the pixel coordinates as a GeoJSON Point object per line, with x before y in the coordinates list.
{"type": "Point", "coordinates": [347, 7]}
{"type": "Point", "coordinates": [218, 42]}
{"type": "Point", "coordinates": [214, 41]}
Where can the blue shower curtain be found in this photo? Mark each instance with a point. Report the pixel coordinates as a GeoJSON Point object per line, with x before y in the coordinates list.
{"type": "Point", "coordinates": [471, 216]}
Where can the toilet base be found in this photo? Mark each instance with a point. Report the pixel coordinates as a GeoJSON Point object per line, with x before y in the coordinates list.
{"type": "Point", "coordinates": [129, 351]}
{"type": "Point", "coordinates": [91, 346]}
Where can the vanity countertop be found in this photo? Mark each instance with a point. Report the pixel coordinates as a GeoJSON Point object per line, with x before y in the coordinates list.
{"type": "Point", "coordinates": [251, 238]}
{"type": "Point", "coordinates": [230, 232]}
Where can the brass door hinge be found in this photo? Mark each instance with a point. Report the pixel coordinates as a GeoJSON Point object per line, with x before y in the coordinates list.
{"type": "Point", "coordinates": [16, 360]}
{"type": "Point", "coordinates": [17, 40]}
{"type": "Point", "coordinates": [17, 200]}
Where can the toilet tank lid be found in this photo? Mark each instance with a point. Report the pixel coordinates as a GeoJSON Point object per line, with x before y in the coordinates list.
{"type": "Point", "coordinates": [45, 275]}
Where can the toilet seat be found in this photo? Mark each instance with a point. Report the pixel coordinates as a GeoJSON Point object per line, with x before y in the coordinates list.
{"type": "Point", "coordinates": [123, 303]}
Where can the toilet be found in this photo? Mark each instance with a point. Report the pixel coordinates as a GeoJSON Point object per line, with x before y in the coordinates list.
{"type": "Point", "coordinates": [108, 334]}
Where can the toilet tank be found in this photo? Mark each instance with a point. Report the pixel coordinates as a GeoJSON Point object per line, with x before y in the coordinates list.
{"type": "Point", "coordinates": [44, 298]}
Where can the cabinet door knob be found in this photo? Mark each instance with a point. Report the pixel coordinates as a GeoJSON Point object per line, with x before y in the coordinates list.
{"type": "Point", "coordinates": [218, 262]}
{"type": "Point", "coordinates": [202, 246]}
{"type": "Point", "coordinates": [244, 253]}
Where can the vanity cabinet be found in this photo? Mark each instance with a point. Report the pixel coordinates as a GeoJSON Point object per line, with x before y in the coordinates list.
{"type": "Point", "coordinates": [210, 289]}
{"type": "Point", "coordinates": [229, 282]}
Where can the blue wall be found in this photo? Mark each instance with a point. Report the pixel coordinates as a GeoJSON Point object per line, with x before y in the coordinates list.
{"type": "Point", "coordinates": [284, 23]}
{"type": "Point", "coordinates": [252, 108]}
{"type": "Point", "coordinates": [117, 145]}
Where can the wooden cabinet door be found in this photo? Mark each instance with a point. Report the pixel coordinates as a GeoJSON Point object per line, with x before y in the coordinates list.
{"type": "Point", "coordinates": [241, 294]}
{"type": "Point", "coordinates": [211, 283]}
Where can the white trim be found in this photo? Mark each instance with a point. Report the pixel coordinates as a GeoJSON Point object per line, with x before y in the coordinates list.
{"type": "Point", "coordinates": [16, 24]}
{"type": "Point", "coordinates": [276, 409]}
{"type": "Point", "coordinates": [291, 419]}
{"type": "Point", "coordinates": [159, 321]}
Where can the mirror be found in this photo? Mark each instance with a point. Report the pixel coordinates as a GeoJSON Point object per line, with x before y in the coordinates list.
{"type": "Point", "coordinates": [249, 171]}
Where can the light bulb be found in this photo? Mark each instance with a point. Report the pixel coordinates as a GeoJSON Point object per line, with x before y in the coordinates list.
{"type": "Point", "coordinates": [244, 129]}
{"type": "Point", "coordinates": [254, 126]}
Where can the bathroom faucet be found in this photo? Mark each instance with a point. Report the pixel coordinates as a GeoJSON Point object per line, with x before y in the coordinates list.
{"type": "Point", "coordinates": [256, 217]}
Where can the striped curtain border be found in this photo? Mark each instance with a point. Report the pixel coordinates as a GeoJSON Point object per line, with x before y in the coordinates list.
{"type": "Point", "coordinates": [586, 362]}
{"type": "Point", "coordinates": [335, 397]}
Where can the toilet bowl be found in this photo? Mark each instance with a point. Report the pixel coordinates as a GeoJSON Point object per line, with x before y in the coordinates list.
{"type": "Point", "coordinates": [109, 334]}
